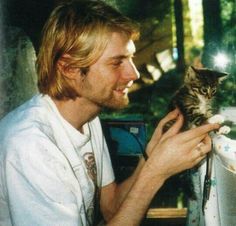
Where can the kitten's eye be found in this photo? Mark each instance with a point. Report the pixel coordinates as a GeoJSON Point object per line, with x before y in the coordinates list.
{"type": "Point", "coordinates": [213, 91]}
{"type": "Point", "coordinates": [203, 90]}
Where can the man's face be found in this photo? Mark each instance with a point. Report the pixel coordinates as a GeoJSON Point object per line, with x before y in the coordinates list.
{"type": "Point", "coordinates": [108, 79]}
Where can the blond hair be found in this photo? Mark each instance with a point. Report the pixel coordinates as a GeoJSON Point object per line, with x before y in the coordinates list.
{"type": "Point", "coordinates": [80, 29]}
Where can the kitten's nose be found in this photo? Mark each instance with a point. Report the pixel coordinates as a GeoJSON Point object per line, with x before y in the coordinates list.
{"type": "Point", "coordinates": [209, 96]}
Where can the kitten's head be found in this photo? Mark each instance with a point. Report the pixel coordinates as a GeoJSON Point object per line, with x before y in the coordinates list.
{"type": "Point", "coordinates": [204, 81]}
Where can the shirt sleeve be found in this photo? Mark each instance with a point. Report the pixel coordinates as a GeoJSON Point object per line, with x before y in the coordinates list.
{"type": "Point", "coordinates": [107, 169]}
{"type": "Point", "coordinates": [104, 166]}
{"type": "Point", "coordinates": [38, 188]}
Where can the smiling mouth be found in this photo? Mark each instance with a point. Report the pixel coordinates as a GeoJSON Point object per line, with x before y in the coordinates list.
{"type": "Point", "coordinates": [125, 89]}
{"type": "Point", "coordinates": [122, 90]}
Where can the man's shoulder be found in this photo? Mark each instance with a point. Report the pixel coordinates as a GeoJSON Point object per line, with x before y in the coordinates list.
{"type": "Point", "coordinates": [23, 136]}
{"type": "Point", "coordinates": [22, 124]}
{"type": "Point", "coordinates": [25, 143]}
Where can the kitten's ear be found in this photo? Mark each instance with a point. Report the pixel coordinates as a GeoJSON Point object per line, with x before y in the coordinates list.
{"type": "Point", "coordinates": [221, 76]}
{"type": "Point", "coordinates": [190, 75]}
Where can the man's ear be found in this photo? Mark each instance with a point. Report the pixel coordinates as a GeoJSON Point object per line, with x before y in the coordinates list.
{"type": "Point", "coordinates": [67, 71]}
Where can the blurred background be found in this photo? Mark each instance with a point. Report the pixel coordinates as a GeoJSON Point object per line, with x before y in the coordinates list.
{"type": "Point", "coordinates": [174, 35]}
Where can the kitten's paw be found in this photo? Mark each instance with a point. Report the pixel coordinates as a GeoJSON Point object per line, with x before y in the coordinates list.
{"type": "Point", "coordinates": [223, 130]}
{"type": "Point", "coordinates": [216, 119]}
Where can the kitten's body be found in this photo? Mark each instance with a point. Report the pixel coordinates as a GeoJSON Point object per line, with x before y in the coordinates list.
{"type": "Point", "coordinates": [195, 107]}
{"type": "Point", "coordinates": [194, 98]}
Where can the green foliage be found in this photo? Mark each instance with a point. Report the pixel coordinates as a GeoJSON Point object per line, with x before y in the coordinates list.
{"type": "Point", "coordinates": [150, 103]}
{"type": "Point", "coordinates": [228, 13]}
{"type": "Point", "coordinates": [142, 9]}
{"type": "Point", "coordinates": [227, 93]}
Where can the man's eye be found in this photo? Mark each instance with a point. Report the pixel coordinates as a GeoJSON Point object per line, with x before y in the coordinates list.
{"type": "Point", "coordinates": [116, 64]}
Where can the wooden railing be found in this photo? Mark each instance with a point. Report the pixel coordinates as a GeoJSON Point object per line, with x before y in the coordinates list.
{"type": "Point", "coordinates": [166, 213]}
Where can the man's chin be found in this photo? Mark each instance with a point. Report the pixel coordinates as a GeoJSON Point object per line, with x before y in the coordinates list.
{"type": "Point", "coordinates": [117, 105]}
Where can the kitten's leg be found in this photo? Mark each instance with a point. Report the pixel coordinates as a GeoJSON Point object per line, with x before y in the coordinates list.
{"type": "Point", "coordinates": [219, 119]}
{"type": "Point", "coordinates": [224, 130]}
{"type": "Point", "coordinates": [216, 119]}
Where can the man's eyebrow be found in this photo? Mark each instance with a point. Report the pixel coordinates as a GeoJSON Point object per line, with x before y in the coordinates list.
{"type": "Point", "coordinates": [120, 57]}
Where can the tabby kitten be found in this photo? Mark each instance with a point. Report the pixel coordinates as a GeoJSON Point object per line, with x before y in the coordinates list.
{"type": "Point", "coordinates": [194, 98]}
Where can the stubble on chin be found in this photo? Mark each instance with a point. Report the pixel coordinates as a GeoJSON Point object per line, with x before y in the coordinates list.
{"type": "Point", "coordinates": [116, 104]}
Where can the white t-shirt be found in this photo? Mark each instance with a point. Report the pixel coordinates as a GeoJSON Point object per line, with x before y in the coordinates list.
{"type": "Point", "coordinates": [48, 169]}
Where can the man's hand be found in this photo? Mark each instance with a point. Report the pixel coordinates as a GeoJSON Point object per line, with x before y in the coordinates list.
{"type": "Point", "coordinates": [158, 133]}
{"type": "Point", "coordinates": [173, 152]}
{"type": "Point", "coordinates": [169, 153]}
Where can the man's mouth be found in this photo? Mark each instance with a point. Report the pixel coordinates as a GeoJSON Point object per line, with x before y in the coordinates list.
{"type": "Point", "coordinates": [124, 89]}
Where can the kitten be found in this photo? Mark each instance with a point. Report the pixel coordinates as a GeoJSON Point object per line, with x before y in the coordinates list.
{"type": "Point", "coordinates": [194, 98]}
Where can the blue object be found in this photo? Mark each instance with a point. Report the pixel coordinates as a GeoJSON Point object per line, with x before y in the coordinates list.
{"type": "Point", "coordinates": [125, 137]}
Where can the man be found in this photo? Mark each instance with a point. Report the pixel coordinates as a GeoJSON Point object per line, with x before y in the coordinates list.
{"type": "Point", "coordinates": [55, 166]}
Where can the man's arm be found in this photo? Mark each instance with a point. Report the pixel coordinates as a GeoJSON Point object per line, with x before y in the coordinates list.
{"type": "Point", "coordinates": [114, 194]}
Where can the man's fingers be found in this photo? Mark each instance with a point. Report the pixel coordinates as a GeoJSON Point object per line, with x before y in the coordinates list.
{"type": "Point", "coordinates": [202, 149]}
{"type": "Point", "coordinates": [198, 132]}
{"type": "Point", "coordinates": [175, 128]}
{"type": "Point", "coordinates": [197, 140]}
{"type": "Point", "coordinates": [198, 151]}
{"type": "Point", "coordinates": [170, 116]}
{"type": "Point", "coordinates": [207, 140]}
{"type": "Point", "coordinates": [158, 131]}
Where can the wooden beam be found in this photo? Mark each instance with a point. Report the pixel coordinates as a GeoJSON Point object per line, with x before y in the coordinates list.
{"type": "Point", "coordinates": [166, 213]}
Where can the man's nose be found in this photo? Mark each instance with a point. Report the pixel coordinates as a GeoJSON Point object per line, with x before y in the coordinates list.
{"type": "Point", "coordinates": [131, 73]}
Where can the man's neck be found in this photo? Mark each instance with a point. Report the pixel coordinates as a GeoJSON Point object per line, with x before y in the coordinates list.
{"type": "Point", "coordinates": [77, 112]}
